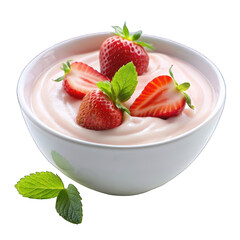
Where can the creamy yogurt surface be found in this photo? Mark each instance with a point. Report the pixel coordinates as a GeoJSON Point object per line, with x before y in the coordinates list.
{"type": "Point", "coordinates": [55, 108]}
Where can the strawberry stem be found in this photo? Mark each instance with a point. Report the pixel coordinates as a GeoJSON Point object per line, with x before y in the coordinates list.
{"type": "Point", "coordinates": [171, 74]}
{"type": "Point", "coordinates": [66, 67]}
{"type": "Point", "coordinates": [124, 33]}
{"type": "Point", "coordinates": [182, 88]}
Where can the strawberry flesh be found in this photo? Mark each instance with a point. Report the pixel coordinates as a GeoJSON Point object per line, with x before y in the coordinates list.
{"type": "Point", "coordinates": [98, 112]}
{"type": "Point", "coordinates": [160, 98]}
{"type": "Point", "coordinates": [82, 79]}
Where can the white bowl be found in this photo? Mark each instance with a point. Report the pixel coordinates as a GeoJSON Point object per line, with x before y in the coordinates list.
{"type": "Point", "coordinates": [119, 170]}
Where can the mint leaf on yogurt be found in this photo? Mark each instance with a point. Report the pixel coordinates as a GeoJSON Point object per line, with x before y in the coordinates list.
{"type": "Point", "coordinates": [122, 86]}
{"type": "Point", "coordinates": [124, 82]}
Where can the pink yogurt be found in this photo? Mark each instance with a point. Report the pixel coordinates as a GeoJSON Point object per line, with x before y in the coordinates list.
{"type": "Point", "coordinates": [58, 110]}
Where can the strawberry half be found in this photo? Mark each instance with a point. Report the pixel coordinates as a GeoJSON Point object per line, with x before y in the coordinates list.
{"type": "Point", "coordinates": [162, 97]}
{"type": "Point", "coordinates": [121, 49]}
{"type": "Point", "coordinates": [79, 79]}
{"type": "Point", "coordinates": [98, 112]}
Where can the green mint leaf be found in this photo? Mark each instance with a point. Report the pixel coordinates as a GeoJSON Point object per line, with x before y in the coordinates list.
{"type": "Point", "coordinates": [183, 87]}
{"type": "Point", "coordinates": [122, 86]}
{"type": "Point", "coordinates": [40, 185]}
{"type": "Point", "coordinates": [69, 204]}
{"type": "Point", "coordinates": [124, 82]}
{"type": "Point", "coordinates": [106, 87]}
{"type": "Point", "coordinates": [144, 44]}
{"type": "Point", "coordinates": [136, 35]}
{"type": "Point", "coordinates": [44, 185]}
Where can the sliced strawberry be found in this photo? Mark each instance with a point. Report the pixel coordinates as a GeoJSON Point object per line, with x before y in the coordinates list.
{"type": "Point", "coordinates": [162, 97]}
{"type": "Point", "coordinates": [80, 78]}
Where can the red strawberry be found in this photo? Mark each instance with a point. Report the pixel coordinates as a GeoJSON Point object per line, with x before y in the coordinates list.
{"type": "Point", "coordinates": [162, 97]}
{"type": "Point", "coordinates": [103, 109]}
{"type": "Point", "coordinates": [119, 50]}
{"type": "Point", "coordinates": [80, 78]}
{"type": "Point", "coordinates": [98, 112]}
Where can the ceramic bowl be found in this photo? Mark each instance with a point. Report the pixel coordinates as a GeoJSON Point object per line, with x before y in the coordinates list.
{"type": "Point", "coordinates": [119, 170]}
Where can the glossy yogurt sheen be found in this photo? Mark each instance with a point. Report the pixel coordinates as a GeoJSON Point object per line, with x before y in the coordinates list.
{"type": "Point", "coordinates": [55, 108]}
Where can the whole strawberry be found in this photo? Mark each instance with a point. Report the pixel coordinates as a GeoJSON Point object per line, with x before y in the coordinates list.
{"type": "Point", "coordinates": [103, 109]}
{"type": "Point", "coordinates": [98, 112]}
{"type": "Point", "coordinates": [121, 49]}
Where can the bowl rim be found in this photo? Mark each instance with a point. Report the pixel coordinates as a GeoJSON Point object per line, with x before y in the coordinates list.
{"type": "Point", "coordinates": [26, 109]}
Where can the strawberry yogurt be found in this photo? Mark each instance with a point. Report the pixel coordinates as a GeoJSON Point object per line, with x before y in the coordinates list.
{"type": "Point", "coordinates": [55, 108]}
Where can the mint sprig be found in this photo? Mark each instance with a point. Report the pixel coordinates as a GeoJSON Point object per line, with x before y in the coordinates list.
{"type": "Point", "coordinates": [122, 86]}
{"type": "Point", "coordinates": [40, 185]}
{"type": "Point", "coordinates": [124, 33]}
{"type": "Point", "coordinates": [46, 185]}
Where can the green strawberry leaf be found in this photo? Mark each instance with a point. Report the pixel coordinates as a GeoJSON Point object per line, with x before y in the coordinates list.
{"type": "Point", "coordinates": [118, 31]}
{"type": "Point", "coordinates": [182, 88]}
{"type": "Point", "coordinates": [136, 35]}
{"type": "Point", "coordinates": [124, 33]}
{"type": "Point", "coordinates": [69, 204]}
{"type": "Point", "coordinates": [122, 86]}
{"type": "Point", "coordinates": [188, 100]}
{"type": "Point", "coordinates": [59, 79]}
{"type": "Point", "coordinates": [66, 67]}
{"type": "Point", "coordinates": [40, 185]}
{"type": "Point", "coordinates": [144, 44]}
{"type": "Point", "coordinates": [171, 74]}
{"type": "Point", "coordinates": [68, 64]}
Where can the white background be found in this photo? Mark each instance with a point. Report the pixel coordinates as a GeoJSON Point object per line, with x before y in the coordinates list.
{"type": "Point", "coordinates": [203, 202]}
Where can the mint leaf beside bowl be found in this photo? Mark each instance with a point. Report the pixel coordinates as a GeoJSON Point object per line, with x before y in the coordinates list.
{"type": "Point", "coordinates": [46, 185]}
